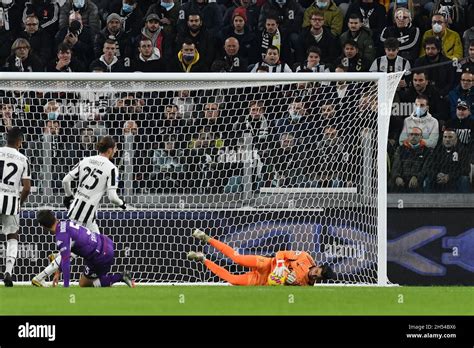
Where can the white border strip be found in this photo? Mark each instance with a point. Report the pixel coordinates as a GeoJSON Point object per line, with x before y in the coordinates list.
{"type": "Point", "coordinates": [308, 190]}
{"type": "Point", "coordinates": [176, 77]}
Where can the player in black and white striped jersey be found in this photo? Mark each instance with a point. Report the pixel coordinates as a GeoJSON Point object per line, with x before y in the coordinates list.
{"type": "Point", "coordinates": [14, 173]}
{"type": "Point", "coordinates": [96, 176]}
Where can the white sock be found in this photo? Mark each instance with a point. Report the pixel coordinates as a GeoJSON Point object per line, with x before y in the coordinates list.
{"type": "Point", "coordinates": [12, 251]}
{"type": "Point", "coordinates": [52, 267]}
{"type": "Point", "coordinates": [96, 283]}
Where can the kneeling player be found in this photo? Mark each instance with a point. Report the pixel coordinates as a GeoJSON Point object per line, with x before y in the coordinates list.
{"type": "Point", "coordinates": [301, 268]}
{"type": "Point", "coordinates": [96, 249]}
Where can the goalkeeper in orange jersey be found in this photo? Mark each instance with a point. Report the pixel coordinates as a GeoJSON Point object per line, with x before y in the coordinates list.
{"type": "Point", "coordinates": [299, 266]}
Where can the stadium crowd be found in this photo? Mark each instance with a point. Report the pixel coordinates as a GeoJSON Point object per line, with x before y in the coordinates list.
{"type": "Point", "coordinates": [430, 141]}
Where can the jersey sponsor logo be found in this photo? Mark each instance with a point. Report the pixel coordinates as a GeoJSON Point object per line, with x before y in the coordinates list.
{"type": "Point", "coordinates": [62, 226]}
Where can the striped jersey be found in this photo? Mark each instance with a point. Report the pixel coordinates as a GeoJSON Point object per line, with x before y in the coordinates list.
{"type": "Point", "coordinates": [14, 167]}
{"type": "Point", "coordinates": [96, 175]}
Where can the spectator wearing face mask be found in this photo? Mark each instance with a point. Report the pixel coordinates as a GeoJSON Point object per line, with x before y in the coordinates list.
{"type": "Point", "coordinates": [129, 11]}
{"type": "Point", "coordinates": [88, 10]}
{"type": "Point", "coordinates": [422, 119]}
{"type": "Point", "coordinates": [188, 59]}
{"type": "Point", "coordinates": [332, 15]}
{"type": "Point", "coordinates": [450, 40]}
{"type": "Point", "coordinates": [405, 32]}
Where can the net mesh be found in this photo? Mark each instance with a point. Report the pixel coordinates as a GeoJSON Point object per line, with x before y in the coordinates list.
{"type": "Point", "coordinates": [262, 166]}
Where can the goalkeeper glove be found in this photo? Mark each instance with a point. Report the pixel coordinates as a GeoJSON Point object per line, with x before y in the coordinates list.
{"type": "Point", "coordinates": [291, 278]}
{"type": "Point", "coordinates": [280, 268]}
{"type": "Point", "coordinates": [67, 201]}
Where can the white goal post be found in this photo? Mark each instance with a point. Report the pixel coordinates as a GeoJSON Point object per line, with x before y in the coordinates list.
{"type": "Point", "coordinates": [263, 162]}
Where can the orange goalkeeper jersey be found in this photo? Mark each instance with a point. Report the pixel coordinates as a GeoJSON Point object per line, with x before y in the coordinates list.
{"type": "Point", "coordinates": [298, 261]}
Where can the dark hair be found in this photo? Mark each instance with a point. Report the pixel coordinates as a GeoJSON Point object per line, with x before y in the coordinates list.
{"type": "Point", "coordinates": [188, 41]}
{"type": "Point", "coordinates": [350, 42]}
{"type": "Point", "coordinates": [313, 49]}
{"type": "Point", "coordinates": [193, 13]}
{"type": "Point", "coordinates": [424, 72]}
{"type": "Point", "coordinates": [273, 16]}
{"type": "Point", "coordinates": [392, 43]}
{"type": "Point", "coordinates": [14, 135]}
{"type": "Point", "coordinates": [263, 68]}
{"type": "Point", "coordinates": [424, 97]}
{"type": "Point", "coordinates": [63, 47]}
{"type": "Point", "coordinates": [355, 16]}
{"type": "Point", "coordinates": [110, 42]}
{"type": "Point", "coordinates": [105, 143]}
{"type": "Point", "coordinates": [343, 67]}
{"type": "Point", "coordinates": [433, 41]}
{"type": "Point", "coordinates": [46, 218]}
{"type": "Point", "coordinates": [327, 272]}
{"type": "Point", "coordinates": [271, 47]}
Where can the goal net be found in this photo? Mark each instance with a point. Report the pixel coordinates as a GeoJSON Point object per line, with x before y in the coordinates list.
{"type": "Point", "coordinates": [262, 162]}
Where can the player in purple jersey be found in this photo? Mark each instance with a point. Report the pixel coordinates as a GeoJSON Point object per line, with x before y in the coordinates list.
{"type": "Point", "coordinates": [96, 249]}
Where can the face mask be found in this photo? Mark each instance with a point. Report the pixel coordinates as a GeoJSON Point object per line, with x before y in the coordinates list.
{"type": "Point", "coordinates": [53, 115]}
{"type": "Point", "coordinates": [79, 3]}
{"type": "Point", "coordinates": [321, 4]}
{"type": "Point", "coordinates": [415, 146]}
{"type": "Point", "coordinates": [167, 5]}
{"type": "Point", "coordinates": [188, 57]}
{"type": "Point", "coordinates": [280, 2]}
{"type": "Point", "coordinates": [419, 111]}
{"type": "Point", "coordinates": [6, 3]}
{"type": "Point", "coordinates": [127, 8]}
{"type": "Point", "coordinates": [437, 28]}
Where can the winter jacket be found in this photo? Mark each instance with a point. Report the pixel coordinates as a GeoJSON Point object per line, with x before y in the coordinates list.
{"type": "Point", "coordinates": [248, 43]}
{"type": "Point", "coordinates": [41, 44]}
{"type": "Point", "coordinates": [459, 93]}
{"type": "Point", "coordinates": [89, 13]}
{"type": "Point", "coordinates": [204, 42]}
{"type": "Point", "coordinates": [290, 15]}
{"type": "Point", "coordinates": [409, 39]}
{"type": "Point", "coordinates": [453, 161]}
{"type": "Point", "coordinates": [438, 107]}
{"type": "Point", "coordinates": [329, 49]}
{"type": "Point", "coordinates": [464, 129]}
{"type": "Point", "coordinates": [210, 15]}
{"type": "Point", "coordinates": [332, 17]}
{"type": "Point", "coordinates": [442, 77]}
{"type": "Point", "coordinates": [428, 124]}
{"type": "Point", "coordinates": [47, 13]}
{"type": "Point", "coordinates": [374, 17]}
{"type": "Point", "coordinates": [32, 64]}
{"type": "Point", "coordinates": [408, 161]}
{"type": "Point", "coordinates": [451, 44]}
{"type": "Point", "coordinates": [171, 15]}
{"type": "Point", "coordinates": [364, 42]}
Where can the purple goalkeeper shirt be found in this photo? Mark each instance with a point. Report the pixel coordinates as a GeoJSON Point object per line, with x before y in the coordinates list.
{"type": "Point", "coordinates": [79, 240]}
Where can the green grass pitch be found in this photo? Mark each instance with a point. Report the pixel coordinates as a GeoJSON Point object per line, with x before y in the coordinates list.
{"type": "Point", "coordinates": [228, 300]}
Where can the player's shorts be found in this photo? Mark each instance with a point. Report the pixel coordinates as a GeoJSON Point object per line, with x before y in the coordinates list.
{"type": "Point", "coordinates": [260, 275]}
{"type": "Point", "coordinates": [10, 223]}
{"type": "Point", "coordinates": [100, 264]}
